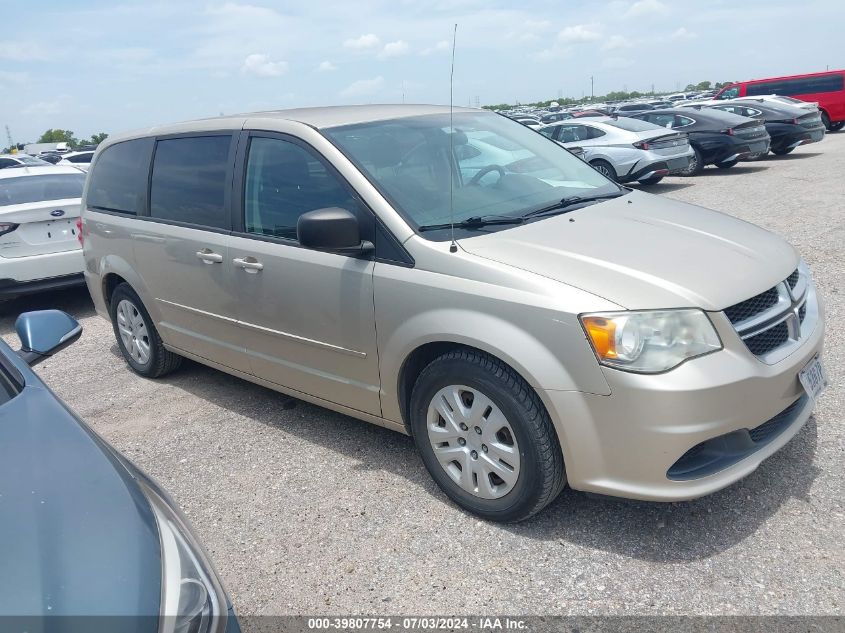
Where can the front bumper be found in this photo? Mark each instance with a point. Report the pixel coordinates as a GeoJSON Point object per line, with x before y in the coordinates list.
{"type": "Point", "coordinates": [625, 444]}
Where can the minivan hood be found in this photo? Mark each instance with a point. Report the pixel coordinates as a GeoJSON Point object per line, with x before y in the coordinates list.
{"type": "Point", "coordinates": [644, 251]}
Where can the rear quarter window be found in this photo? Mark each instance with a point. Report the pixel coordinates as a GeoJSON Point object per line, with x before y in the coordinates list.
{"type": "Point", "coordinates": [119, 177]}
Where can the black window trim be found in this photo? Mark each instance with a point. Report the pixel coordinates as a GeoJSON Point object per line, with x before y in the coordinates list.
{"type": "Point", "coordinates": [239, 189]}
{"type": "Point", "coordinates": [227, 195]}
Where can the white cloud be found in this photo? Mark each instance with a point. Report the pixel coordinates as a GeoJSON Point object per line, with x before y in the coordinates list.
{"type": "Point", "coordinates": [363, 87]}
{"type": "Point", "coordinates": [579, 33]}
{"type": "Point", "coordinates": [556, 52]}
{"type": "Point", "coordinates": [440, 47]}
{"type": "Point", "coordinates": [537, 25]}
{"type": "Point", "coordinates": [326, 66]}
{"type": "Point", "coordinates": [22, 51]}
{"type": "Point", "coordinates": [10, 77]}
{"type": "Point", "coordinates": [261, 65]}
{"type": "Point", "coordinates": [394, 49]}
{"type": "Point", "coordinates": [646, 7]}
{"type": "Point", "coordinates": [364, 42]}
{"type": "Point", "coordinates": [58, 105]}
{"type": "Point", "coordinates": [616, 42]}
{"type": "Point", "coordinates": [618, 62]}
{"type": "Point", "coordinates": [682, 34]}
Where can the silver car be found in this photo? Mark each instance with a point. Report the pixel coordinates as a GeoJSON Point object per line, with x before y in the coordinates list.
{"type": "Point", "coordinates": [625, 149]}
{"type": "Point", "coordinates": [530, 323]}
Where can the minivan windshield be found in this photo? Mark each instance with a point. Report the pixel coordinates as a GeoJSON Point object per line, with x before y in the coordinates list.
{"type": "Point", "coordinates": [498, 168]}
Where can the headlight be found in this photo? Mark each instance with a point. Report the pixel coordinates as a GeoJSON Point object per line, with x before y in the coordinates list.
{"type": "Point", "coordinates": [192, 600]}
{"type": "Point", "coordinates": [650, 342]}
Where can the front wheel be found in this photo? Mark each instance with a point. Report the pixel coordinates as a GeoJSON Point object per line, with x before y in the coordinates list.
{"type": "Point", "coordinates": [727, 164]}
{"type": "Point", "coordinates": [826, 121]}
{"type": "Point", "coordinates": [485, 437]}
{"type": "Point", "coordinates": [137, 337]}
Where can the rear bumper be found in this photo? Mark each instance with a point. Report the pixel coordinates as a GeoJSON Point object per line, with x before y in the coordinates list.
{"type": "Point", "coordinates": [23, 275]}
{"type": "Point", "coordinates": [638, 441]}
{"type": "Point", "coordinates": [725, 149]}
{"type": "Point", "coordinates": [792, 138]}
{"type": "Point", "coordinates": [659, 167]}
{"type": "Point", "coordinates": [11, 288]}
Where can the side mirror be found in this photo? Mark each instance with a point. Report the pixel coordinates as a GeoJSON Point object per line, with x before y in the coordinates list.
{"type": "Point", "coordinates": [45, 332]}
{"type": "Point", "coordinates": [332, 229]}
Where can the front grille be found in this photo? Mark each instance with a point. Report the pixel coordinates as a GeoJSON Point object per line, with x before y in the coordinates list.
{"type": "Point", "coordinates": [772, 428]}
{"type": "Point", "coordinates": [771, 321]}
{"type": "Point", "coordinates": [768, 340]}
{"type": "Point", "coordinates": [753, 306]}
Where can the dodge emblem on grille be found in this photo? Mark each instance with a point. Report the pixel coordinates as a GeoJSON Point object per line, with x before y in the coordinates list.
{"type": "Point", "coordinates": [57, 213]}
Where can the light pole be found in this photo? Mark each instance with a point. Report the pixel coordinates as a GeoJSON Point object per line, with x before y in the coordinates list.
{"type": "Point", "coordinates": [592, 92]}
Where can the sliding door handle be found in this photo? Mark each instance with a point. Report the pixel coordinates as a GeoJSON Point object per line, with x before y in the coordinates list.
{"type": "Point", "coordinates": [249, 264]}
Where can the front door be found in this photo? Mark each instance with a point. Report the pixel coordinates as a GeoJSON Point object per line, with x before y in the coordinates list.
{"type": "Point", "coordinates": [307, 316]}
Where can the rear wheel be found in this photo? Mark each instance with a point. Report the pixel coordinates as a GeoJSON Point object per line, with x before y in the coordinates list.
{"type": "Point", "coordinates": [826, 121]}
{"type": "Point", "coordinates": [604, 168]}
{"type": "Point", "coordinates": [783, 151]}
{"type": "Point", "coordinates": [651, 181]}
{"type": "Point", "coordinates": [137, 337]}
{"type": "Point", "coordinates": [727, 164]}
{"type": "Point", "coordinates": [835, 127]}
{"type": "Point", "coordinates": [485, 437]}
{"type": "Point", "coordinates": [696, 164]}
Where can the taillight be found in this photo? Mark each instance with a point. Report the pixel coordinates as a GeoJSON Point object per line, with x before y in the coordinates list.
{"type": "Point", "coordinates": [79, 231]}
{"type": "Point", "coordinates": [729, 131]}
{"type": "Point", "coordinates": [642, 145]}
{"type": "Point", "coordinates": [7, 228]}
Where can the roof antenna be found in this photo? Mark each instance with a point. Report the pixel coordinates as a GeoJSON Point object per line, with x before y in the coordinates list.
{"type": "Point", "coordinates": [453, 247]}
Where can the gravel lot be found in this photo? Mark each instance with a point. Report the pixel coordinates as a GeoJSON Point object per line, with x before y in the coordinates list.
{"type": "Point", "coordinates": [305, 511]}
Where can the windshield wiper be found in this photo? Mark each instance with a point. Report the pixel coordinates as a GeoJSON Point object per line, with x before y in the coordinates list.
{"type": "Point", "coordinates": [562, 205]}
{"type": "Point", "coordinates": [475, 222]}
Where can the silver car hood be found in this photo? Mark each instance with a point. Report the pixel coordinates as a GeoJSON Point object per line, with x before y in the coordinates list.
{"type": "Point", "coordinates": [643, 251]}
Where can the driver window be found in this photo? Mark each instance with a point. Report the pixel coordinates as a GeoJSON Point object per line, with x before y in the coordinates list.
{"type": "Point", "coordinates": [283, 181]}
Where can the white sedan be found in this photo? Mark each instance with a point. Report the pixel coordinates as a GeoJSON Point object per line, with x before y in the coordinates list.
{"type": "Point", "coordinates": [39, 233]}
{"type": "Point", "coordinates": [82, 160]}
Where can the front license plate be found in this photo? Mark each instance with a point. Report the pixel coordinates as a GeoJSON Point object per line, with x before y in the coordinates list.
{"type": "Point", "coordinates": [813, 378]}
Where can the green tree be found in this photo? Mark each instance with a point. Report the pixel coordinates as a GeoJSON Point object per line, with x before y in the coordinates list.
{"type": "Point", "coordinates": [59, 136]}
{"type": "Point", "coordinates": [703, 85]}
{"type": "Point", "coordinates": [98, 138]}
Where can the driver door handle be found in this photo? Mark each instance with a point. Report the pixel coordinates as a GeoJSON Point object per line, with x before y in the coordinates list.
{"type": "Point", "coordinates": [249, 264]}
{"type": "Point", "coordinates": [208, 257]}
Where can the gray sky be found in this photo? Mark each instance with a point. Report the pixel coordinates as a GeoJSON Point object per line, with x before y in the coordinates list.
{"type": "Point", "coordinates": [110, 65]}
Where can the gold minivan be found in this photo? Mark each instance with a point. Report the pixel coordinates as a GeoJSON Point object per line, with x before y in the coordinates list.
{"type": "Point", "coordinates": [463, 279]}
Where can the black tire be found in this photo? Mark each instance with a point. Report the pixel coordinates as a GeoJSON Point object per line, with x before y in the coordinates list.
{"type": "Point", "coordinates": [695, 166]}
{"type": "Point", "coordinates": [161, 361]}
{"type": "Point", "coordinates": [605, 169]}
{"type": "Point", "coordinates": [727, 164]}
{"type": "Point", "coordinates": [541, 475]}
{"type": "Point", "coordinates": [835, 127]}
{"type": "Point", "coordinates": [651, 181]}
{"type": "Point", "coordinates": [826, 121]}
{"type": "Point", "coordinates": [783, 151]}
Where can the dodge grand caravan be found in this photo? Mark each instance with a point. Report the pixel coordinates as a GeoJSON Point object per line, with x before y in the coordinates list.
{"type": "Point", "coordinates": [529, 324]}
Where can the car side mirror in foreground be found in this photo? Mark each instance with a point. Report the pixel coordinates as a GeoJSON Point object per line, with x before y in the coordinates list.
{"type": "Point", "coordinates": [332, 229]}
{"type": "Point", "coordinates": [45, 332]}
